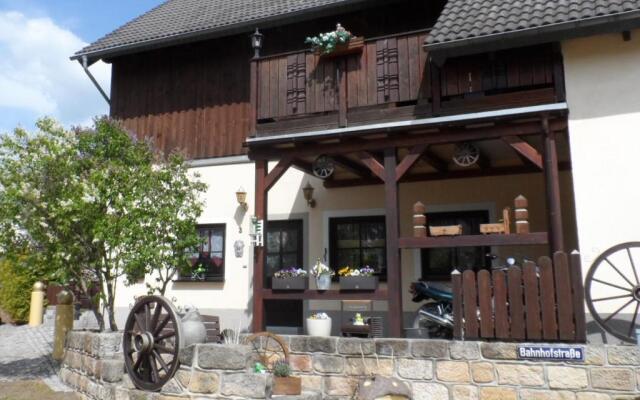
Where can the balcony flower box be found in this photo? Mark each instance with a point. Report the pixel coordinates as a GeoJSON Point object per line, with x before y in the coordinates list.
{"type": "Point", "coordinates": [358, 279]}
{"type": "Point", "coordinates": [354, 46]}
{"type": "Point", "coordinates": [290, 279]}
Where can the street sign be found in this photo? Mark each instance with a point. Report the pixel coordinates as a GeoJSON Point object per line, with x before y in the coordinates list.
{"type": "Point", "coordinates": [551, 353]}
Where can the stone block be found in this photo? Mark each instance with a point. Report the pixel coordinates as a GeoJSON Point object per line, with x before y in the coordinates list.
{"type": "Point", "coordinates": [172, 387]}
{"type": "Point", "coordinates": [339, 386]}
{"type": "Point", "coordinates": [75, 340]}
{"type": "Point", "coordinates": [311, 383]}
{"type": "Point", "coordinates": [464, 392]}
{"type": "Point", "coordinates": [613, 378]}
{"type": "Point", "coordinates": [453, 371]}
{"type": "Point", "coordinates": [122, 394]}
{"type": "Point", "coordinates": [429, 391]}
{"type": "Point", "coordinates": [110, 370]}
{"type": "Point", "coordinates": [303, 396]}
{"type": "Point", "coordinates": [498, 393]}
{"type": "Point", "coordinates": [482, 372]}
{"type": "Point", "coordinates": [595, 355]}
{"type": "Point", "coordinates": [520, 374]}
{"type": "Point", "coordinates": [624, 355]}
{"type": "Point", "coordinates": [429, 348]}
{"type": "Point", "coordinates": [328, 364]}
{"type": "Point", "coordinates": [223, 356]}
{"type": "Point", "coordinates": [561, 377]}
{"type": "Point", "coordinates": [169, 397]}
{"type": "Point", "coordinates": [106, 344]}
{"type": "Point", "coordinates": [392, 347]}
{"type": "Point", "coordinates": [126, 382]}
{"type": "Point", "coordinates": [356, 366]}
{"type": "Point", "coordinates": [187, 355]}
{"type": "Point", "coordinates": [460, 350]}
{"type": "Point", "coordinates": [410, 368]}
{"type": "Point", "coordinates": [592, 396]}
{"type": "Point", "coordinates": [183, 376]}
{"type": "Point", "coordinates": [300, 362]}
{"type": "Point", "coordinates": [140, 395]}
{"type": "Point", "coordinates": [356, 346]}
{"type": "Point", "coordinates": [313, 344]}
{"type": "Point", "coordinates": [255, 386]}
{"type": "Point", "coordinates": [204, 382]}
{"type": "Point", "coordinates": [499, 351]}
{"type": "Point", "coordinates": [537, 394]}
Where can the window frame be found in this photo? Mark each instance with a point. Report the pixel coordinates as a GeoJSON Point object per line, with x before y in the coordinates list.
{"type": "Point", "coordinates": [213, 278]}
{"type": "Point", "coordinates": [333, 241]}
{"type": "Point", "coordinates": [280, 225]}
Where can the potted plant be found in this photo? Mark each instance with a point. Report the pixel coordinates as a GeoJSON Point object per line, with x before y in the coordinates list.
{"type": "Point", "coordinates": [283, 382]}
{"type": "Point", "coordinates": [336, 43]}
{"type": "Point", "coordinates": [319, 324]}
{"type": "Point", "coordinates": [290, 279]}
{"type": "Point", "coordinates": [358, 279]}
{"type": "Point", "coordinates": [323, 275]}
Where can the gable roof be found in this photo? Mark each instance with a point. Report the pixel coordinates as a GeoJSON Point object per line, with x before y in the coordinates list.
{"type": "Point", "coordinates": [465, 23]}
{"type": "Point", "coordinates": [176, 20]}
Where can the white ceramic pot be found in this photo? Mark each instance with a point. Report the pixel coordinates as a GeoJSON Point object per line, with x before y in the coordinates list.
{"type": "Point", "coordinates": [319, 327]}
{"type": "Point", "coordinates": [323, 282]}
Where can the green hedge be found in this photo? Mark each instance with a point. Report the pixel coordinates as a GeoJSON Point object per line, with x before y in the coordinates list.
{"type": "Point", "coordinates": [15, 292]}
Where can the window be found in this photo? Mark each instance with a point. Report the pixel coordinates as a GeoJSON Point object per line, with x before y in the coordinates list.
{"type": "Point", "coordinates": [438, 263]}
{"type": "Point", "coordinates": [284, 246]}
{"type": "Point", "coordinates": [210, 254]}
{"type": "Point", "coordinates": [358, 241]}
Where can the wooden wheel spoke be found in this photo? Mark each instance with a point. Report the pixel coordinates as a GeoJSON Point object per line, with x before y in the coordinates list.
{"type": "Point", "coordinates": [165, 336]}
{"type": "Point", "coordinates": [612, 297]}
{"type": "Point", "coordinates": [136, 365]}
{"type": "Point", "coordinates": [164, 349]}
{"type": "Point", "coordinates": [156, 316]}
{"type": "Point", "coordinates": [140, 322]}
{"type": "Point", "coordinates": [618, 271]}
{"type": "Point", "coordinates": [147, 317]}
{"type": "Point", "coordinates": [611, 284]}
{"type": "Point", "coordinates": [160, 360]}
{"type": "Point", "coordinates": [633, 267]}
{"type": "Point", "coordinates": [633, 319]}
{"type": "Point", "coordinates": [618, 310]}
{"type": "Point", "coordinates": [164, 323]}
{"type": "Point", "coordinates": [154, 368]}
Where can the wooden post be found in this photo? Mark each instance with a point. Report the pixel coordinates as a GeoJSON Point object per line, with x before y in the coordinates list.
{"type": "Point", "coordinates": [435, 89]}
{"type": "Point", "coordinates": [258, 252]}
{"type": "Point", "coordinates": [394, 270]}
{"type": "Point", "coordinates": [341, 72]}
{"type": "Point", "coordinates": [253, 97]}
{"type": "Point", "coordinates": [554, 211]}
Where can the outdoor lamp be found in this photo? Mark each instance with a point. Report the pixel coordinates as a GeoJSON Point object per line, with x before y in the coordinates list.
{"type": "Point", "coordinates": [241, 196]}
{"type": "Point", "coordinates": [308, 195]}
{"type": "Point", "coordinates": [256, 43]}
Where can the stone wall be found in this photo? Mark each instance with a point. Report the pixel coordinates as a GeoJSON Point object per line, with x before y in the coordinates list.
{"type": "Point", "coordinates": [331, 367]}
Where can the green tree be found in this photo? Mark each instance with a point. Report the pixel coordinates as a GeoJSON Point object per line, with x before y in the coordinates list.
{"type": "Point", "coordinates": [89, 207]}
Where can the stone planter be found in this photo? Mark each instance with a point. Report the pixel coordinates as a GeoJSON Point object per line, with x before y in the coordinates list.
{"type": "Point", "coordinates": [358, 282]}
{"type": "Point", "coordinates": [323, 282]}
{"type": "Point", "coordinates": [319, 327]}
{"type": "Point", "coordinates": [294, 283]}
{"type": "Point", "coordinates": [289, 385]}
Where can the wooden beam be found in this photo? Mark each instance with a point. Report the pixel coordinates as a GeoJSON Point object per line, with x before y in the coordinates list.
{"type": "Point", "coordinates": [277, 172]}
{"type": "Point", "coordinates": [535, 238]}
{"type": "Point", "coordinates": [525, 150]}
{"type": "Point", "coordinates": [312, 294]}
{"type": "Point", "coordinates": [436, 94]}
{"type": "Point", "coordinates": [341, 72]}
{"type": "Point", "coordinates": [409, 160]}
{"type": "Point", "coordinates": [258, 252]}
{"type": "Point", "coordinates": [394, 270]}
{"type": "Point", "coordinates": [302, 165]}
{"type": "Point", "coordinates": [405, 140]}
{"type": "Point", "coordinates": [352, 166]}
{"type": "Point", "coordinates": [373, 164]}
{"type": "Point", "coordinates": [484, 161]}
{"type": "Point", "coordinates": [436, 162]}
{"type": "Point", "coordinates": [552, 180]}
{"type": "Point", "coordinates": [253, 97]}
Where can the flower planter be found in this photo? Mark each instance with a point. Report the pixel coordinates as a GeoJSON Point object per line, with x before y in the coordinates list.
{"type": "Point", "coordinates": [323, 282]}
{"type": "Point", "coordinates": [319, 327]}
{"type": "Point", "coordinates": [358, 282]}
{"type": "Point", "coordinates": [292, 283]}
{"type": "Point", "coordinates": [354, 46]}
{"type": "Point", "coordinates": [289, 385]}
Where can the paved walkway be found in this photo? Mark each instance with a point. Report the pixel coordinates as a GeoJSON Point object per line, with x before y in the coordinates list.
{"type": "Point", "coordinates": [25, 353]}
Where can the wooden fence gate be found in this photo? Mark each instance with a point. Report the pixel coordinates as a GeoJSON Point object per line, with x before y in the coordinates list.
{"type": "Point", "coordinates": [543, 302]}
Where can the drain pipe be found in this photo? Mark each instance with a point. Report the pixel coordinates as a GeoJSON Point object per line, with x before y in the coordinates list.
{"type": "Point", "coordinates": [85, 65]}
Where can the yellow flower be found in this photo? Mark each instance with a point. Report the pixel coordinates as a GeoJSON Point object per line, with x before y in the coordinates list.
{"type": "Point", "coordinates": [344, 271]}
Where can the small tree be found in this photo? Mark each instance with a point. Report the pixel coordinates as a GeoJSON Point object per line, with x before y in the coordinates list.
{"type": "Point", "coordinates": [90, 207]}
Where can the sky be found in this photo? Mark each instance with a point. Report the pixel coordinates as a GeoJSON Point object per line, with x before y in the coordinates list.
{"type": "Point", "coordinates": [37, 37]}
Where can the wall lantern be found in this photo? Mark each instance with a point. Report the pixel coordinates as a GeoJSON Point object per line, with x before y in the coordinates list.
{"type": "Point", "coordinates": [241, 196]}
{"type": "Point", "coordinates": [308, 195]}
{"type": "Point", "coordinates": [256, 43]}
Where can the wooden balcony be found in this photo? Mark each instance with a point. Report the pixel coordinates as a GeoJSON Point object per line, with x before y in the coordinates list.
{"type": "Point", "coordinates": [390, 79]}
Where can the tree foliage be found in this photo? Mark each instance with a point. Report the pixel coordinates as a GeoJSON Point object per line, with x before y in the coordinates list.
{"type": "Point", "coordinates": [89, 207]}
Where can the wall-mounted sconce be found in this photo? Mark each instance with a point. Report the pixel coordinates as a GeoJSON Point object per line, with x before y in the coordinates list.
{"type": "Point", "coordinates": [308, 195]}
{"type": "Point", "coordinates": [256, 43]}
{"type": "Point", "coordinates": [241, 196]}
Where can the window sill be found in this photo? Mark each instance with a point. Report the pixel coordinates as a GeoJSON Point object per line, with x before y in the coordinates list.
{"type": "Point", "coordinates": [207, 280]}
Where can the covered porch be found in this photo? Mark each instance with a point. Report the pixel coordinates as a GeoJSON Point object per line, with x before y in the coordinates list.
{"type": "Point", "coordinates": [516, 143]}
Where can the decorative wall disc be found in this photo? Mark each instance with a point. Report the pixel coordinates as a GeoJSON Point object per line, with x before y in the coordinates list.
{"type": "Point", "coordinates": [466, 154]}
{"type": "Point", "coordinates": [323, 167]}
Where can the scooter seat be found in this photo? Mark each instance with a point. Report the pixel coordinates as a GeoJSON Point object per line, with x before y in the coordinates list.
{"type": "Point", "coordinates": [427, 291]}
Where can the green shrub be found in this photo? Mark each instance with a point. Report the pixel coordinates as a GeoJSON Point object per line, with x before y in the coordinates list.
{"type": "Point", "coordinates": [15, 291]}
{"type": "Point", "coordinates": [282, 369]}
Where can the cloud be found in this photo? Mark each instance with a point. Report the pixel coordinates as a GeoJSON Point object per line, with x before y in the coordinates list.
{"type": "Point", "coordinates": [37, 78]}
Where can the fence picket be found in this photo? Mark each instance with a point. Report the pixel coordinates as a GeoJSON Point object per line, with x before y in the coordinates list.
{"type": "Point", "coordinates": [500, 305]}
{"type": "Point", "coordinates": [516, 306]}
{"type": "Point", "coordinates": [456, 284]}
{"type": "Point", "coordinates": [577, 289]}
{"type": "Point", "coordinates": [470, 304]}
{"type": "Point", "coordinates": [548, 300]}
{"type": "Point", "coordinates": [532, 301]}
{"type": "Point", "coordinates": [564, 295]}
{"type": "Point", "coordinates": [484, 300]}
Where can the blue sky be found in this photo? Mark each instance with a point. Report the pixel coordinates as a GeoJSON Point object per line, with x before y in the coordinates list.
{"type": "Point", "coordinates": [36, 39]}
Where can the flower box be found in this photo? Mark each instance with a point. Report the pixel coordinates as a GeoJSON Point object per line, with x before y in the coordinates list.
{"type": "Point", "coordinates": [354, 46]}
{"type": "Point", "coordinates": [290, 283]}
{"type": "Point", "coordinates": [287, 385]}
{"type": "Point", "coordinates": [358, 282]}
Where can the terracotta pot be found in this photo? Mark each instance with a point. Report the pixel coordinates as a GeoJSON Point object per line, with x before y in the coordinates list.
{"type": "Point", "coordinates": [289, 385]}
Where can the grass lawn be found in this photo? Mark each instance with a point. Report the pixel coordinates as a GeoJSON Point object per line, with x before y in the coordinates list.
{"type": "Point", "coordinates": [30, 390]}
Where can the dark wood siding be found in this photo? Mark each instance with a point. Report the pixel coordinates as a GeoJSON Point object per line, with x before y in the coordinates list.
{"type": "Point", "coordinates": [193, 98]}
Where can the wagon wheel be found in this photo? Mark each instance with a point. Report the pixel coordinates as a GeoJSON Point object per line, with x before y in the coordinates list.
{"type": "Point", "coordinates": [270, 348]}
{"type": "Point", "coordinates": [151, 343]}
{"type": "Point", "coordinates": [613, 285]}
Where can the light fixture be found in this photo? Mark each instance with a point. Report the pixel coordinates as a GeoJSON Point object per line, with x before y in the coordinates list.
{"type": "Point", "coordinates": [308, 195]}
{"type": "Point", "coordinates": [241, 196]}
{"type": "Point", "coordinates": [256, 43]}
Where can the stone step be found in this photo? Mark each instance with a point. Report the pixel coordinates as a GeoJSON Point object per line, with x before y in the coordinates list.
{"type": "Point", "coordinates": [304, 396]}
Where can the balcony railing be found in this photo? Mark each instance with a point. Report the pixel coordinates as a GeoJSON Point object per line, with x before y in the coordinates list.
{"type": "Point", "coordinates": [390, 78]}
